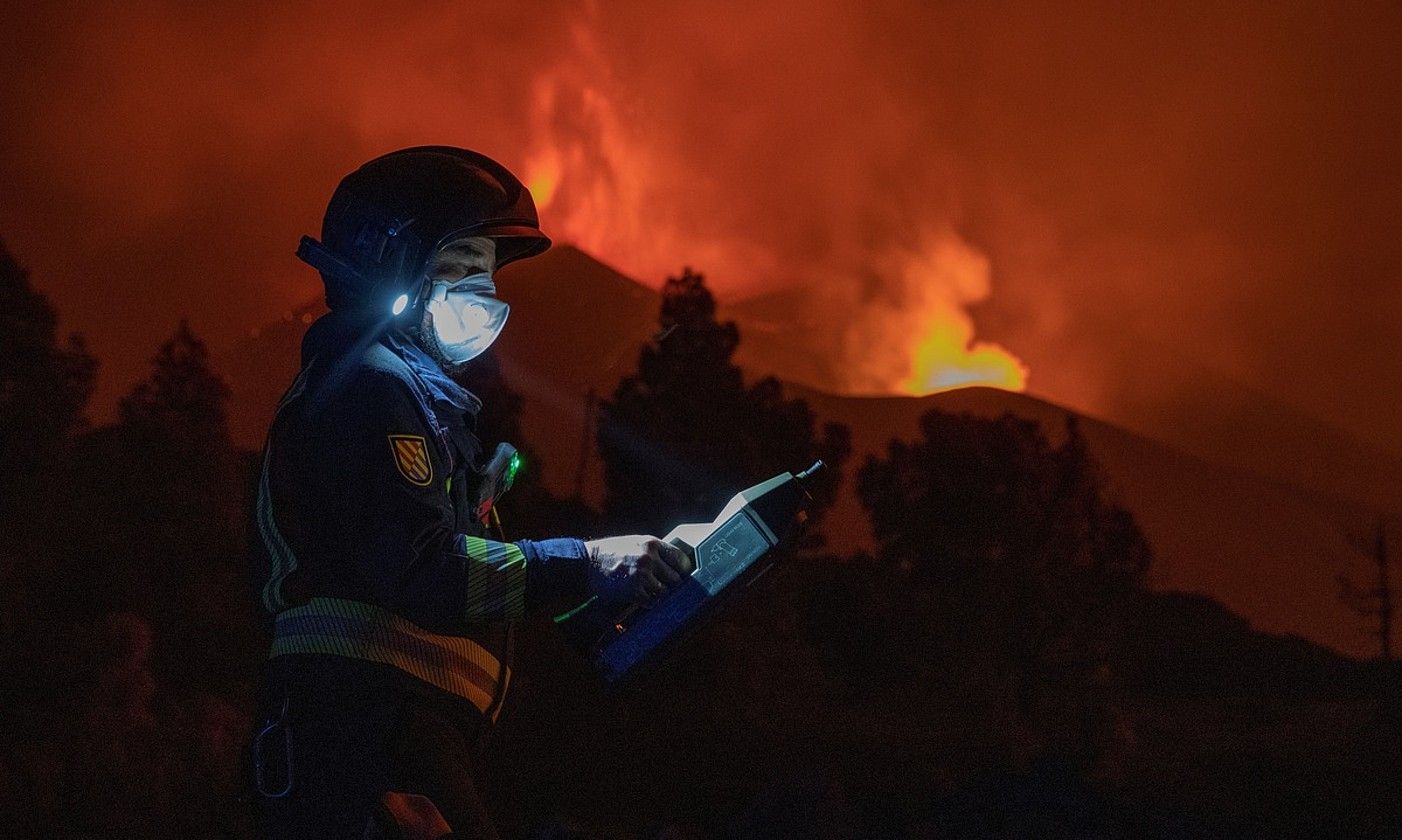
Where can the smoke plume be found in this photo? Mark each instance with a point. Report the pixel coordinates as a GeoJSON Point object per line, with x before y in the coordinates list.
{"type": "Point", "coordinates": [1111, 205]}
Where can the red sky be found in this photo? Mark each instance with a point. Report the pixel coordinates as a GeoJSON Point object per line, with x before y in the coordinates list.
{"type": "Point", "coordinates": [1145, 207]}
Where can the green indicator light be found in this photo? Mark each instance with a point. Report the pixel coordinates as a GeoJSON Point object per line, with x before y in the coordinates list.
{"type": "Point", "coordinates": [563, 617]}
{"type": "Point", "coordinates": [511, 470]}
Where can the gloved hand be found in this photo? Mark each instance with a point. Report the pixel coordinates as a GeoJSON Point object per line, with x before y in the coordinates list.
{"type": "Point", "coordinates": [636, 569]}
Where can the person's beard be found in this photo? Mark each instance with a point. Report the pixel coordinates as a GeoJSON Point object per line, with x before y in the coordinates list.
{"type": "Point", "coordinates": [426, 337]}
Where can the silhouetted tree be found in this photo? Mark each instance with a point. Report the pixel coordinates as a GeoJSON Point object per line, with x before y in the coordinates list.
{"type": "Point", "coordinates": [1009, 560]}
{"type": "Point", "coordinates": [44, 386]}
{"type": "Point", "coordinates": [1374, 602]}
{"type": "Point", "coordinates": [127, 638]}
{"type": "Point", "coordinates": [678, 439]}
{"type": "Point", "coordinates": [156, 519]}
{"type": "Point", "coordinates": [1378, 603]}
{"type": "Point", "coordinates": [684, 433]}
{"type": "Point", "coordinates": [182, 404]}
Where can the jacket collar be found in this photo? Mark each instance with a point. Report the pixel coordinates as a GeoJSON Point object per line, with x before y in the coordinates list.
{"type": "Point", "coordinates": [439, 384]}
{"type": "Point", "coordinates": [338, 335]}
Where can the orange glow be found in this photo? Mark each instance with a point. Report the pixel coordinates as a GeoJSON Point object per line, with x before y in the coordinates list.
{"type": "Point", "coordinates": [612, 189]}
{"type": "Point", "coordinates": [944, 360]}
{"type": "Point", "coordinates": [615, 189]}
{"type": "Point", "coordinates": [918, 338]}
{"type": "Point", "coordinates": [945, 277]}
{"type": "Point", "coordinates": [543, 176]}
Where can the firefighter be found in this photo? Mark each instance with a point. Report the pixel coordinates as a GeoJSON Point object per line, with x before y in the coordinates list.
{"type": "Point", "coordinates": [391, 605]}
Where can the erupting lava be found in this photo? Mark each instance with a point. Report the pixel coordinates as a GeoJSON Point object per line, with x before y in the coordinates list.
{"type": "Point", "coordinates": [944, 359]}
{"type": "Point", "coordinates": [946, 354]}
{"type": "Point", "coordinates": [917, 337]}
{"type": "Point", "coordinates": [892, 317]}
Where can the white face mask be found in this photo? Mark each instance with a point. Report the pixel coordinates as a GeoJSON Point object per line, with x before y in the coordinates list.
{"type": "Point", "coordinates": [467, 317]}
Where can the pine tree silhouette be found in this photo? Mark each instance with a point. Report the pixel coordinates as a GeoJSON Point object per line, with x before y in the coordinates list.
{"type": "Point", "coordinates": [183, 402]}
{"type": "Point", "coordinates": [158, 517]}
{"type": "Point", "coordinates": [684, 433]}
{"type": "Point", "coordinates": [128, 643]}
{"type": "Point", "coordinates": [1005, 557]}
{"type": "Point", "coordinates": [44, 386]}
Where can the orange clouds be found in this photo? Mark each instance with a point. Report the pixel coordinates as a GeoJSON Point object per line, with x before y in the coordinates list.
{"type": "Point", "coordinates": [1123, 202]}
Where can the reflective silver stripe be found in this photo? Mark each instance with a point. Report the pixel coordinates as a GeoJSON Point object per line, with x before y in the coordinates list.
{"type": "Point", "coordinates": [362, 631]}
{"type": "Point", "coordinates": [496, 580]}
{"type": "Point", "coordinates": [284, 562]}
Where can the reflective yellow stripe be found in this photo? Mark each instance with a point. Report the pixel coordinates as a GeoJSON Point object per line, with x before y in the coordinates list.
{"type": "Point", "coordinates": [496, 580]}
{"type": "Point", "coordinates": [356, 630]}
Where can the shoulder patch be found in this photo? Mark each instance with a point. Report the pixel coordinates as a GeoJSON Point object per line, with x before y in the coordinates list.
{"type": "Point", "coordinates": [411, 457]}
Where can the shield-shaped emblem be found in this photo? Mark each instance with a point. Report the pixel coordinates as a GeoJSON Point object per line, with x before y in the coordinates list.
{"type": "Point", "coordinates": [411, 457]}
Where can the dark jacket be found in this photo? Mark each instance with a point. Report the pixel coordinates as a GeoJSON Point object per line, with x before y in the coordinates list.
{"type": "Point", "coordinates": [366, 510]}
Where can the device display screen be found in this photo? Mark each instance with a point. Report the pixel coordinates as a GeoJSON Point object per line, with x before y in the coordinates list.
{"type": "Point", "coordinates": [728, 552]}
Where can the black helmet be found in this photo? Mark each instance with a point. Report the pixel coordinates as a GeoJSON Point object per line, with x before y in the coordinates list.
{"type": "Point", "coordinates": [388, 218]}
